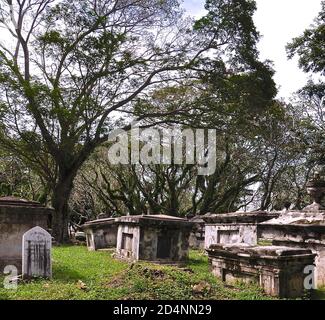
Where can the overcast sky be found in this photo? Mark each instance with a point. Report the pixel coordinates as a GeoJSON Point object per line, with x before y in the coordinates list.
{"type": "Point", "coordinates": [278, 21]}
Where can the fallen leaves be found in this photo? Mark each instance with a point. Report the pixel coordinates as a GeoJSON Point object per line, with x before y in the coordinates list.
{"type": "Point", "coordinates": [201, 288]}
{"type": "Point", "coordinates": [81, 285]}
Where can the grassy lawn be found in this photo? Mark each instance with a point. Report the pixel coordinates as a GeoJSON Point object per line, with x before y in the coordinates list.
{"type": "Point", "coordinates": [80, 274]}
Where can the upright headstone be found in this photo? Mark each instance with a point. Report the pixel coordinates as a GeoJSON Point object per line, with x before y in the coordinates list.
{"type": "Point", "coordinates": [36, 253]}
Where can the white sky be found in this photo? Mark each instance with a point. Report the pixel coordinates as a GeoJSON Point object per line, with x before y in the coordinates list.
{"type": "Point", "coordinates": [278, 21]}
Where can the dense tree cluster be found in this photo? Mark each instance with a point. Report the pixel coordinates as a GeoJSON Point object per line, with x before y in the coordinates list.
{"type": "Point", "coordinates": [72, 71]}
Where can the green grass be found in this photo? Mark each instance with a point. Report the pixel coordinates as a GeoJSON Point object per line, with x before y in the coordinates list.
{"type": "Point", "coordinates": [80, 274]}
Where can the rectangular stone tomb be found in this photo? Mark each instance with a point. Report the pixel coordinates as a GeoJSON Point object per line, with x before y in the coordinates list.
{"type": "Point", "coordinates": [36, 254]}
{"type": "Point", "coordinates": [232, 228]}
{"type": "Point", "coordinates": [278, 270]}
{"type": "Point", "coordinates": [155, 238]}
{"type": "Point", "coordinates": [101, 233]}
{"type": "Point", "coordinates": [299, 230]}
{"type": "Point", "coordinates": [17, 216]}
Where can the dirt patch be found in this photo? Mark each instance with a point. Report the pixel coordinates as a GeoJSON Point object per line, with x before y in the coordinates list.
{"type": "Point", "coordinates": [153, 274]}
{"type": "Point", "coordinates": [187, 270]}
{"type": "Point", "coordinates": [117, 281]}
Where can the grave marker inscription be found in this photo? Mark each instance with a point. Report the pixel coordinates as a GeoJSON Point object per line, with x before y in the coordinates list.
{"type": "Point", "coordinates": [36, 253]}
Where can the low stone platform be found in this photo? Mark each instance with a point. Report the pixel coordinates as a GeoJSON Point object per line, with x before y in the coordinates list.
{"type": "Point", "coordinates": [278, 270]}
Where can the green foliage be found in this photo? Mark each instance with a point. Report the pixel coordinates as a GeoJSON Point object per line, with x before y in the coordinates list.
{"type": "Point", "coordinates": [309, 101]}
{"type": "Point", "coordinates": [310, 47]}
{"type": "Point", "coordinates": [232, 19]}
{"type": "Point", "coordinates": [94, 66]}
{"type": "Point", "coordinates": [53, 38]}
{"type": "Point", "coordinates": [239, 85]}
{"type": "Point", "coordinates": [18, 180]}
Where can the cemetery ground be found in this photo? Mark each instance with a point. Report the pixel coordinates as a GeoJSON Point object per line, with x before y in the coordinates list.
{"type": "Point", "coordinates": [80, 274]}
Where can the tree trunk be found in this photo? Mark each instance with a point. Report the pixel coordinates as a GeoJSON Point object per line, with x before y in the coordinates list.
{"type": "Point", "coordinates": [69, 165]}
{"type": "Point", "coordinates": [60, 200]}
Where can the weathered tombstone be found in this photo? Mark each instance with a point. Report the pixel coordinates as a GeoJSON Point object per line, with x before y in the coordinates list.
{"type": "Point", "coordinates": [36, 253]}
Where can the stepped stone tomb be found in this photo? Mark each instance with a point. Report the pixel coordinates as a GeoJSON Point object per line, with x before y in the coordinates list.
{"type": "Point", "coordinates": [278, 270]}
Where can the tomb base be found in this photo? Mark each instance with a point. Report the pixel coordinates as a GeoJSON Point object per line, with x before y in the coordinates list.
{"type": "Point", "coordinates": [278, 270]}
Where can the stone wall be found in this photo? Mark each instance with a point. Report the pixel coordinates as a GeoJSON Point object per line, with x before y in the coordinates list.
{"type": "Point", "coordinates": [163, 245]}
{"type": "Point", "coordinates": [148, 244]}
{"type": "Point", "coordinates": [230, 234]}
{"type": "Point", "coordinates": [100, 234]}
{"type": "Point", "coordinates": [292, 232]}
{"type": "Point", "coordinates": [131, 252]}
{"type": "Point", "coordinates": [316, 248]}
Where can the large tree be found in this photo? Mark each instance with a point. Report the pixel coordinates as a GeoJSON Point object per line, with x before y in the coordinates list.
{"type": "Point", "coordinates": [310, 100]}
{"type": "Point", "coordinates": [71, 71]}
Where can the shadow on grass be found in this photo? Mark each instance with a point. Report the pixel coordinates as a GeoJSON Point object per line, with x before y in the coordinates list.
{"type": "Point", "coordinates": [318, 294]}
{"type": "Point", "coordinates": [66, 274]}
{"type": "Point", "coordinates": [77, 263]}
{"type": "Point", "coordinates": [64, 268]}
